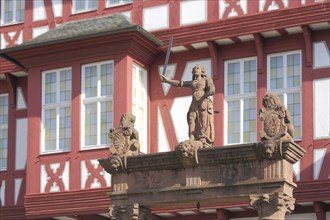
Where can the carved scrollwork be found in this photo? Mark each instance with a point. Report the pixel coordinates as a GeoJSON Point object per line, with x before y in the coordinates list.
{"type": "Point", "coordinates": [129, 212]}
{"type": "Point", "coordinates": [274, 206]}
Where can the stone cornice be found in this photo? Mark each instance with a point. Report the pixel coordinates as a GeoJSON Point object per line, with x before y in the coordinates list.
{"type": "Point", "coordinates": [207, 157]}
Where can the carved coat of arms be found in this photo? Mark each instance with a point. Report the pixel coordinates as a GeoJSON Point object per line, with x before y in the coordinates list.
{"type": "Point", "coordinates": [276, 127]}
{"type": "Point", "coordinates": [275, 119]}
{"type": "Point", "coordinates": [125, 142]}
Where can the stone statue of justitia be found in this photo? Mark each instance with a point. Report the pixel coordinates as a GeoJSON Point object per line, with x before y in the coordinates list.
{"type": "Point", "coordinates": [200, 116]}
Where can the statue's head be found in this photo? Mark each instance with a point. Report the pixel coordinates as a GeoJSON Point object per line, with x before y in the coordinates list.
{"type": "Point", "coordinates": [127, 120]}
{"type": "Point", "coordinates": [271, 101]}
{"type": "Point", "coordinates": [199, 69]}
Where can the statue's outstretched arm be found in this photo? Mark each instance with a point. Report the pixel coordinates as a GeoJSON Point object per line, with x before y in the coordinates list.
{"type": "Point", "coordinates": [176, 83]}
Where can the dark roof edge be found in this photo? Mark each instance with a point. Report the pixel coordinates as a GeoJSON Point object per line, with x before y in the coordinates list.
{"type": "Point", "coordinates": [14, 61]}
{"type": "Point", "coordinates": [138, 28]}
{"type": "Point", "coordinates": [150, 36]}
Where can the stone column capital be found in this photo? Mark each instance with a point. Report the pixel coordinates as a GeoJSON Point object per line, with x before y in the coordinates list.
{"type": "Point", "coordinates": [272, 206]}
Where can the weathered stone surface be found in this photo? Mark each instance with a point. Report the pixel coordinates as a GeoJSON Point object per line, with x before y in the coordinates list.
{"type": "Point", "coordinates": [200, 116]}
{"type": "Point", "coordinates": [272, 206]}
{"type": "Point", "coordinates": [260, 174]}
{"type": "Point", "coordinates": [223, 174]}
{"type": "Point", "coordinates": [125, 142]}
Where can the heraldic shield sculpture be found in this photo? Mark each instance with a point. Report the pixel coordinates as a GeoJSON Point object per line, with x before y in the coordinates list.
{"type": "Point", "coordinates": [276, 127]}
{"type": "Point", "coordinates": [125, 142]}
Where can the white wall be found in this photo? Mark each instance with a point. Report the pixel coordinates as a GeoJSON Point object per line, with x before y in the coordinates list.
{"type": "Point", "coordinates": [322, 108]}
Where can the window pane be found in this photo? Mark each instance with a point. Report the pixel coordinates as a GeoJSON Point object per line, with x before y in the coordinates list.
{"type": "Point", "coordinates": [276, 72]}
{"type": "Point", "coordinates": [106, 79]}
{"type": "Point", "coordinates": [134, 82]}
{"type": "Point", "coordinates": [3, 148]}
{"type": "Point", "coordinates": [109, 2]}
{"type": "Point", "coordinates": [65, 85]}
{"type": "Point", "coordinates": [233, 122]}
{"type": "Point", "coordinates": [139, 104]}
{"type": "Point", "coordinates": [8, 11]}
{"type": "Point", "coordinates": [233, 79]}
{"type": "Point", "coordinates": [92, 4]}
{"type": "Point", "coordinates": [106, 121]}
{"type": "Point", "coordinates": [140, 86]}
{"type": "Point", "coordinates": [249, 121]}
{"type": "Point", "coordinates": [65, 128]}
{"type": "Point", "coordinates": [91, 124]}
{"type": "Point", "coordinates": [20, 10]}
{"type": "Point", "coordinates": [250, 76]}
{"type": "Point", "coordinates": [50, 129]}
{"type": "Point", "coordinates": [84, 4]}
{"type": "Point", "coordinates": [79, 5]}
{"type": "Point", "coordinates": [91, 81]}
{"type": "Point", "coordinates": [50, 88]}
{"type": "Point", "coordinates": [294, 107]}
{"type": "Point", "coordinates": [98, 85]}
{"type": "Point", "coordinates": [293, 72]}
{"type": "Point", "coordinates": [4, 110]}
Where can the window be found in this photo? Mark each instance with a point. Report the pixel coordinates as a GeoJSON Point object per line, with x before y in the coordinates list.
{"type": "Point", "coordinates": [56, 114]}
{"type": "Point", "coordinates": [284, 80]}
{"type": "Point", "coordinates": [240, 101]}
{"type": "Point", "coordinates": [139, 105]}
{"type": "Point", "coordinates": [84, 5]}
{"type": "Point", "coordinates": [3, 131]}
{"type": "Point", "coordinates": [118, 2]}
{"type": "Point", "coordinates": [12, 11]}
{"type": "Point", "coordinates": [97, 104]}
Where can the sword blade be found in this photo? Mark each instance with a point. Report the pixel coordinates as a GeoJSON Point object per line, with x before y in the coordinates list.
{"type": "Point", "coordinates": [167, 55]}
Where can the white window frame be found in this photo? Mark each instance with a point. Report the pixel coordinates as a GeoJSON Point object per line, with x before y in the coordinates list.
{"type": "Point", "coordinates": [121, 2]}
{"type": "Point", "coordinates": [56, 106]}
{"type": "Point", "coordinates": [97, 100]}
{"type": "Point", "coordinates": [237, 97]}
{"type": "Point", "coordinates": [5, 127]}
{"type": "Point", "coordinates": [86, 9]}
{"type": "Point", "coordinates": [3, 22]}
{"type": "Point", "coordinates": [143, 134]}
{"type": "Point", "coordinates": [284, 91]}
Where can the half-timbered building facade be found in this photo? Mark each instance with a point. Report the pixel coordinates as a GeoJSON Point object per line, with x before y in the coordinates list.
{"type": "Point", "coordinates": [70, 68]}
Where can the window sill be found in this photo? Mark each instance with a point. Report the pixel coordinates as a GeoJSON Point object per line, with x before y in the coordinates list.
{"type": "Point", "coordinates": [82, 11]}
{"type": "Point", "coordinates": [11, 23]}
{"type": "Point", "coordinates": [118, 4]}
{"type": "Point", "coordinates": [95, 147]}
{"type": "Point", "coordinates": [54, 152]}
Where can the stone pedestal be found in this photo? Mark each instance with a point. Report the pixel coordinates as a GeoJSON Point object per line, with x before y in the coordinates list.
{"type": "Point", "coordinates": [230, 174]}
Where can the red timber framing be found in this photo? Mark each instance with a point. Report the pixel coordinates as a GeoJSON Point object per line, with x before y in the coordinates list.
{"type": "Point", "coordinates": [124, 49]}
{"type": "Point", "coordinates": [13, 204]}
{"type": "Point", "coordinates": [88, 201]}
